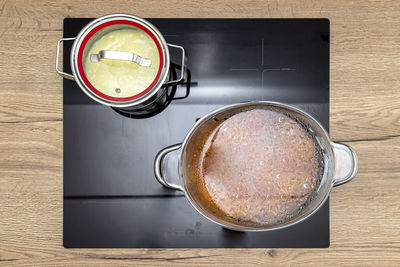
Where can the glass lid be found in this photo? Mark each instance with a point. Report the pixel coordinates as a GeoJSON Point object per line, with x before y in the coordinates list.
{"type": "Point", "coordinates": [120, 60]}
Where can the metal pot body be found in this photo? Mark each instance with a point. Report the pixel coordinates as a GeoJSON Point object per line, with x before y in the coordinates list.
{"type": "Point", "coordinates": [98, 28]}
{"type": "Point", "coordinates": [340, 161]}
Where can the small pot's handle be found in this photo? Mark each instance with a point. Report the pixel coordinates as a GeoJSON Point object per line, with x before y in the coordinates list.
{"type": "Point", "coordinates": [183, 65]}
{"type": "Point", "coordinates": [64, 74]}
{"type": "Point", "coordinates": [166, 161]}
{"type": "Point", "coordinates": [346, 164]}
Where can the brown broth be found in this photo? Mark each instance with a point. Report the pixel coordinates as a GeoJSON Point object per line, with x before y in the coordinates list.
{"type": "Point", "coordinates": [258, 167]}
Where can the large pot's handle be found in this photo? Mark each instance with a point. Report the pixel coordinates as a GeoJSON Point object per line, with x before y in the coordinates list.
{"type": "Point", "coordinates": [64, 74]}
{"type": "Point", "coordinates": [346, 164]}
{"type": "Point", "coordinates": [183, 65]}
{"type": "Point", "coordinates": [166, 164]}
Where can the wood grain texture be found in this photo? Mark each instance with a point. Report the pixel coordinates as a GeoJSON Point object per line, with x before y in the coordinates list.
{"type": "Point", "coordinates": [365, 113]}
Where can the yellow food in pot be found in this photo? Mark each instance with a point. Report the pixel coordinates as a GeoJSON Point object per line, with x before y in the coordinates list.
{"type": "Point", "coordinates": [118, 78]}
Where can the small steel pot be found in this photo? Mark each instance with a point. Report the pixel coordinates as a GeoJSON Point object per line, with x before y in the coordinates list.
{"type": "Point", "coordinates": [171, 164]}
{"type": "Point", "coordinates": [98, 28]}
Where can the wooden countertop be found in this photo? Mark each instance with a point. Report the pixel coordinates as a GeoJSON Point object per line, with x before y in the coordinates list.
{"type": "Point", "coordinates": [365, 113]}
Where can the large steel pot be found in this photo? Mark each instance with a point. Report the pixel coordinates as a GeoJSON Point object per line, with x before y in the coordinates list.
{"type": "Point", "coordinates": [172, 163]}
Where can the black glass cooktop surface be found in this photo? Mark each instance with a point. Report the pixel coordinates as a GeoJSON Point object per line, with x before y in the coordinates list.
{"type": "Point", "coordinates": [111, 197]}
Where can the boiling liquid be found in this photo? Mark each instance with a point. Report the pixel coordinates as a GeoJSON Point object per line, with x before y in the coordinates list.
{"type": "Point", "coordinates": [259, 167]}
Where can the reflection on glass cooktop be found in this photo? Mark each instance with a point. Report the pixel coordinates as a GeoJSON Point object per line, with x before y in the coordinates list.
{"type": "Point", "coordinates": [111, 198]}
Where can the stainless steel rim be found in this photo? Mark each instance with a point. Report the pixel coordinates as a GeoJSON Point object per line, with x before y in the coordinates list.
{"type": "Point", "coordinates": [121, 104]}
{"type": "Point", "coordinates": [270, 103]}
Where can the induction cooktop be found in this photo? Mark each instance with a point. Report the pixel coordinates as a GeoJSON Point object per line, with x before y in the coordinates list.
{"type": "Point", "coordinates": [111, 197]}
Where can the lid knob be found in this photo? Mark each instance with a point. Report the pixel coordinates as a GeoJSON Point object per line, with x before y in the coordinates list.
{"type": "Point", "coordinates": [119, 55]}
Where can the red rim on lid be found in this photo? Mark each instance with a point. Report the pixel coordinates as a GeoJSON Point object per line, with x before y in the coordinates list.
{"type": "Point", "coordinates": [96, 29]}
